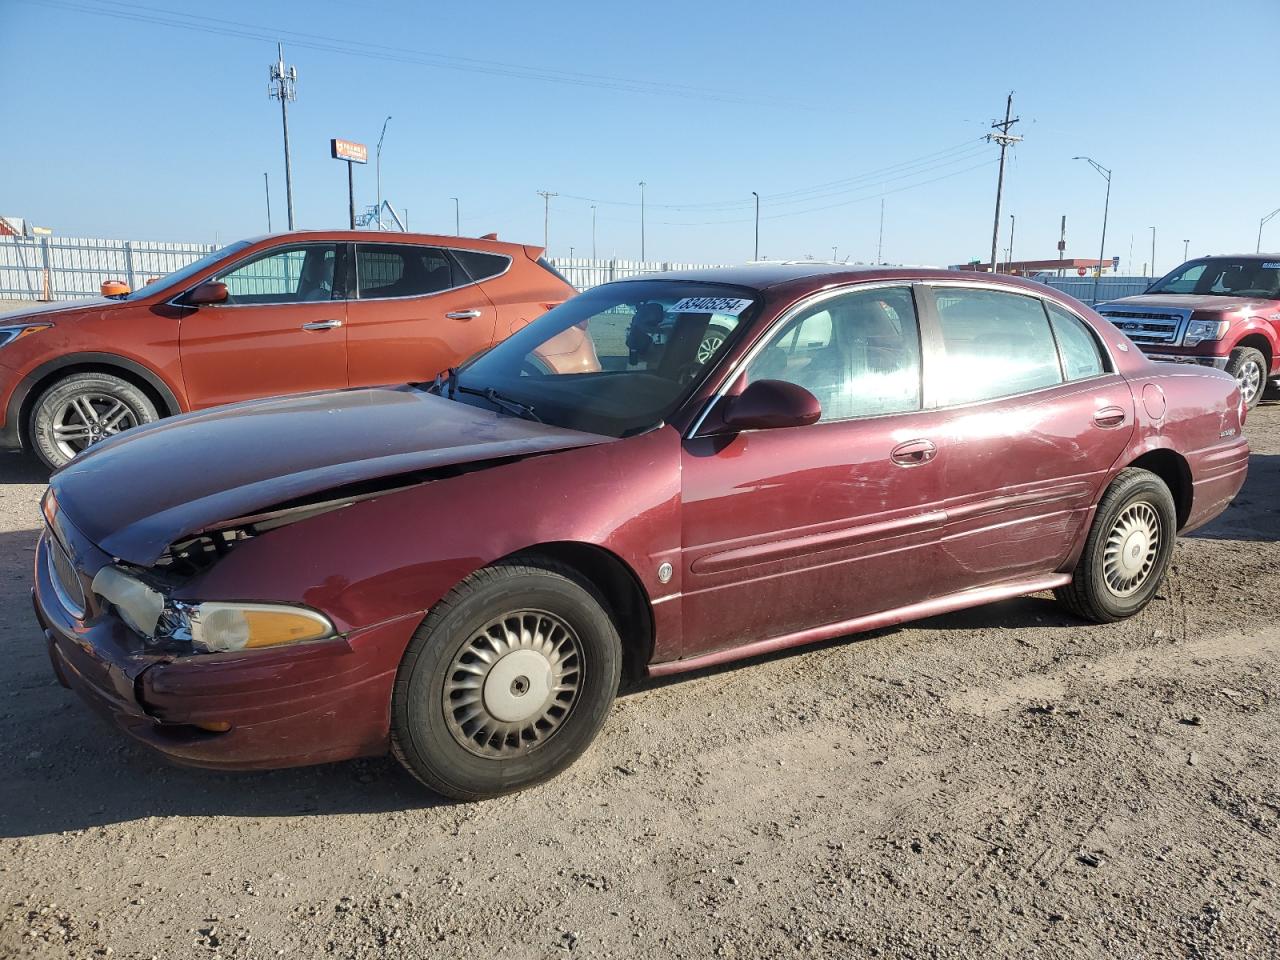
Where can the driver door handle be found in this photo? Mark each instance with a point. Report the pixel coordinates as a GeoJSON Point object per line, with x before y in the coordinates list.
{"type": "Point", "coordinates": [463, 314]}
{"type": "Point", "coordinates": [321, 324]}
{"type": "Point", "coordinates": [913, 453]}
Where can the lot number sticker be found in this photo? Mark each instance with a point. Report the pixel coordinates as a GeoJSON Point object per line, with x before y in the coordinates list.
{"type": "Point", "coordinates": [726, 306]}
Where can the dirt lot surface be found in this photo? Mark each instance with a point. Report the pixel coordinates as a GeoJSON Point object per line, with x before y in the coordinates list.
{"type": "Point", "coordinates": [1006, 781]}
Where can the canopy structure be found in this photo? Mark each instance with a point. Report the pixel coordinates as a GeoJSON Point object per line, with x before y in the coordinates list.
{"type": "Point", "coordinates": [1024, 268]}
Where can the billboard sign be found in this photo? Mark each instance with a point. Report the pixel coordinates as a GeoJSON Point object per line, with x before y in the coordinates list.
{"type": "Point", "coordinates": [348, 150]}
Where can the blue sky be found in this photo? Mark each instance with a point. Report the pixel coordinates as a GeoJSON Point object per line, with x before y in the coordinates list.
{"type": "Point", "coordinates": [125, 125]}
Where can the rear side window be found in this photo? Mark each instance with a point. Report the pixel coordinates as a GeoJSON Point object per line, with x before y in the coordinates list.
{"type": "Point", "coordinates": [997, 344]}
{"type": "Point", "coordinates": [386, 270]}
{"type": "Point", "coordinates": [1081, 355]}
{"type": "Point", "coordinates": [478, 267]}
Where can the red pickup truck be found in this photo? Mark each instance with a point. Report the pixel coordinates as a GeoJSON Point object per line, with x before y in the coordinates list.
{"type": "Point", "coordinates": [1221, 311]}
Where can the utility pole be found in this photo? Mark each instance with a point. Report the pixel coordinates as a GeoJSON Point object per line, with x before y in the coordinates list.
{"type": "Point", "coordinates": [834, 248]}
{"type": "Point", "coordinates": [1106, 207]}
{"type": "Point", "coordinates": [266, 182]}
{"type": "Point", "coordinates": [593, 231]}
{"type": "Point", "coordinates": [379, 168]}
{"type": "Point", "coordinates": [284, 88]}
{"type": "Point", "coordinates": [880, 241]}
{"type": "Point", "coordinates": [1185, 245]}
{"type": "Point", "coordinates": [758, 225]}
{"type": "Point", "coordinates": [1013, 222]}
{"type": "Point", "coordinates": [546, 196]}
{"type": "Point", "coordinates": [1262, 223]}
{"type": "Point", "coordinates": [1153, 253]}
{"type": "Point", "coordinates": [1004, 138]}
{"type": "Point", "coordinates": [642, 221]}
{"type": "Point", "coordinates": [457, 217]}
{"type": "Point", "coordinates": [1062, 243]}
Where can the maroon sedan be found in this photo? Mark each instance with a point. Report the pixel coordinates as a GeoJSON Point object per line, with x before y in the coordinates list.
{"type": "Point", "coordinates": [463, 571]}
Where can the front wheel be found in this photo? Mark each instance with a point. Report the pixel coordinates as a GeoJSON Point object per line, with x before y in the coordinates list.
{"type": "Point", "coordinates": [82, 409]}
{"type": "Point", "coordinates": [1249, 367]}
{"type": "Point", "coordinates": [1128, 550]}
{"type": "Point", "coordinates": [507, 681]}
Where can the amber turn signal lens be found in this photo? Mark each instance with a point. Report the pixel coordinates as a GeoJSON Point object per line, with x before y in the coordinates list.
{"type": "Point", "coordinates": [217, 726]}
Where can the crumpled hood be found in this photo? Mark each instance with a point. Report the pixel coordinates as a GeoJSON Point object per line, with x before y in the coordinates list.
{"type": "Point", "coordinates": [43, 310]}
{"type": "Point", "coordinates": [137, 493]}
{"type": "Point", "coordinates": [1192, 301]}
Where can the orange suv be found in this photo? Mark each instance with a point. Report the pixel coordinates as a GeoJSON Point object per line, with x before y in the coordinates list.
{"type": "Point", "coordinates": [287, 313]}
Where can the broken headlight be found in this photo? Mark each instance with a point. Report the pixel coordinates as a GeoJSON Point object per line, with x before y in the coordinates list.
{"type": "Point", "coordinates": [210, 627]}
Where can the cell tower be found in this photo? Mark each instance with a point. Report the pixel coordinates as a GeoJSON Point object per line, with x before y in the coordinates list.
{"type": "Point", "coordinates": [283, 88]}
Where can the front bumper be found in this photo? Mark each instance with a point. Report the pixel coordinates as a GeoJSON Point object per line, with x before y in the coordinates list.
{"type": "Point", "coordinates": [1218, 363]}
{"type": "Point", "coordinates": [311, 703]}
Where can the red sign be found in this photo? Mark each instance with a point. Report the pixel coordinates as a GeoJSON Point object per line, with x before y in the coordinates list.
{"type": "Point", "coordinates": [1081, 270]}
{"type": "Point", "coordinates": [348, 150]}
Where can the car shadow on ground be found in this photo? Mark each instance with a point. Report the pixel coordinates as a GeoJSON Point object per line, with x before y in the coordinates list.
{"type": "Point", "coordinates": [21, 468]}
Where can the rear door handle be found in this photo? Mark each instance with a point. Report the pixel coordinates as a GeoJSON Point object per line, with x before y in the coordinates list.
{"type": "Point", "coordinates": [1109, 416]}
{"type": "Point", "coordinates": [913, 453]}
{"type": "Point", "coordinates": [463, 314]}
{"type": "Point", "coordinates": [321, 324]}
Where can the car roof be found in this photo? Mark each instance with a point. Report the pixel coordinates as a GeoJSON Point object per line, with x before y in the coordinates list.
{"type": "Point", "coordinates": [395, 236]}
{"type": "Point", "coordinates": [800, 278]}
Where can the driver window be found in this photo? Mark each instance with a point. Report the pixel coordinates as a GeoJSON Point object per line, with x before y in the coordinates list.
{"type": "Point", "coordinates": [858, 353]}
{"type": "Point", "coordinates": [298, 274]}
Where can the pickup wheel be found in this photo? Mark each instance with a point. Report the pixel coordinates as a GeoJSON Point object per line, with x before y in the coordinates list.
{"type": "Point", "coordinates": [1127, 552]}
{"type": "Point", "coordinates": [1249, 367]}
{"type": "Point", "coordinates": [507, 681]}
{"type": "Point", "coordinates": [82, 409]}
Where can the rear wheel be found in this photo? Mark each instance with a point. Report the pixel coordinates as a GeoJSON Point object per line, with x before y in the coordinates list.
{"type": "Point", "coordinates": [83, 409]}
{"type": "Point", "coordinates": [506, 682]}
{"type": "Point", "coordinates": [1128, 550]}
{"type": "Point", "coordinates": [1249, 367]}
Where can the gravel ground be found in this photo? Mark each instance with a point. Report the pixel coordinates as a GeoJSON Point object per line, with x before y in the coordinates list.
{"type": "Point", "coordinates": [1005, 781]}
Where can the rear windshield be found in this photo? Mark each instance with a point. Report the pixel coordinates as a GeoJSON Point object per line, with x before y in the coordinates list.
{"type": "Point", "coordinates": [1224, 277]}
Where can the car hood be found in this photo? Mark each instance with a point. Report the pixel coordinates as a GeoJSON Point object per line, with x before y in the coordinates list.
{"type": "Point", "coordinates": [1191, 301]}
{"type": "Point", "coordinates": [141, 491]}
{"type": "Point", "coordinates": [43, 310]}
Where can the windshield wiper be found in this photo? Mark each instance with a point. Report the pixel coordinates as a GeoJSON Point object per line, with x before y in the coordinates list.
{"type": "Point", "coordinates": [505, 403]}
{"type": "Point", "coordinates": [446, 378]}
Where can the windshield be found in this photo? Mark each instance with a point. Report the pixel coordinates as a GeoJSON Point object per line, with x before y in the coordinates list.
{"type": "Point", "coordinates": [616, 360]}
{"type": "Point", "coordinates": [178, 277]}
{"type": "Point", "coordinates": [1224, 277]}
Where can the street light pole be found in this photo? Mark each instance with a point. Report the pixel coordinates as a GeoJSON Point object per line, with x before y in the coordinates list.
{"type": "Point", "coordinates": [266, 182]}
{"type": "Point", "coordinates": [1262, 223]}
{"type": "Point", "coordinates": [378, 166]}
{"type": "Point", "coordinates": [1013, 222]}
{"type": "Point", "coordinates": [642, 185]}
{"type": "Point", "coordinates": [1106, 208]}
{"type": "Point", "coordinates": [1185, 245]}
{"type": "Point", "coordinates": [1153, 253]}
{"type": "Point", "coordinates": [457, 217]}
{"type": "Point", "coordinates": [593, 231]}
{"type": "Point", "coordinates": [757, 246]}
{"type": "Point", "coordinates": [546, 196]}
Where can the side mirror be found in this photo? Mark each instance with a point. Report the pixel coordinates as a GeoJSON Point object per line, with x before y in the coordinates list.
{"type": "Point", "coordinates": [766, 404]}
{"type": "Point", "coordinates": [209, 292]}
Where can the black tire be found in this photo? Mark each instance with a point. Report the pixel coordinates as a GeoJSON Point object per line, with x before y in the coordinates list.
{"type": "Point", "coordinates": [55, 425]}
{"type": "Point", "coordinates": [1090, 594]}
{"type": "Point", "coordinates": [1249, 367]}
{"type": "Point", "coordinates": [428, 737]}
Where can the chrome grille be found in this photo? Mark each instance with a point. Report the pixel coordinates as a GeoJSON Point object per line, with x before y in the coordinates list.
{"type": "Point", "coordinates": [66, 582]}
{"type": "Point", "coordinates": [1149, 326]}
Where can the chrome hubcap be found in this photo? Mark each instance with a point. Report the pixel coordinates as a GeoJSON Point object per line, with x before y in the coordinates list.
{"type": "Point", "coordinates": [709, 345]}
{"type": "Point", "coordinates": [87, 418]}
{"type": "Point", "coordinates": [1131, 549]}
{"type": "Point", "coordinates": [513, 683]}
{"type": "Point", "coordinates": [1249, 377]}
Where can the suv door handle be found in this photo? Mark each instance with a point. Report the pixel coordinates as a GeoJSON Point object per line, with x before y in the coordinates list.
{"type": "Point", "coordinates": [463, 314]}
{"type": "Point", "coordinates": [321, 324]}
{"type": "Point", "coordinates": [1109, 416]}
{"type": "Point", "coordinates": [913, 453]}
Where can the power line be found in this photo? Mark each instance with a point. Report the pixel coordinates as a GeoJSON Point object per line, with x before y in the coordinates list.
{"type": "Point", "coordinates": [141, 13]}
